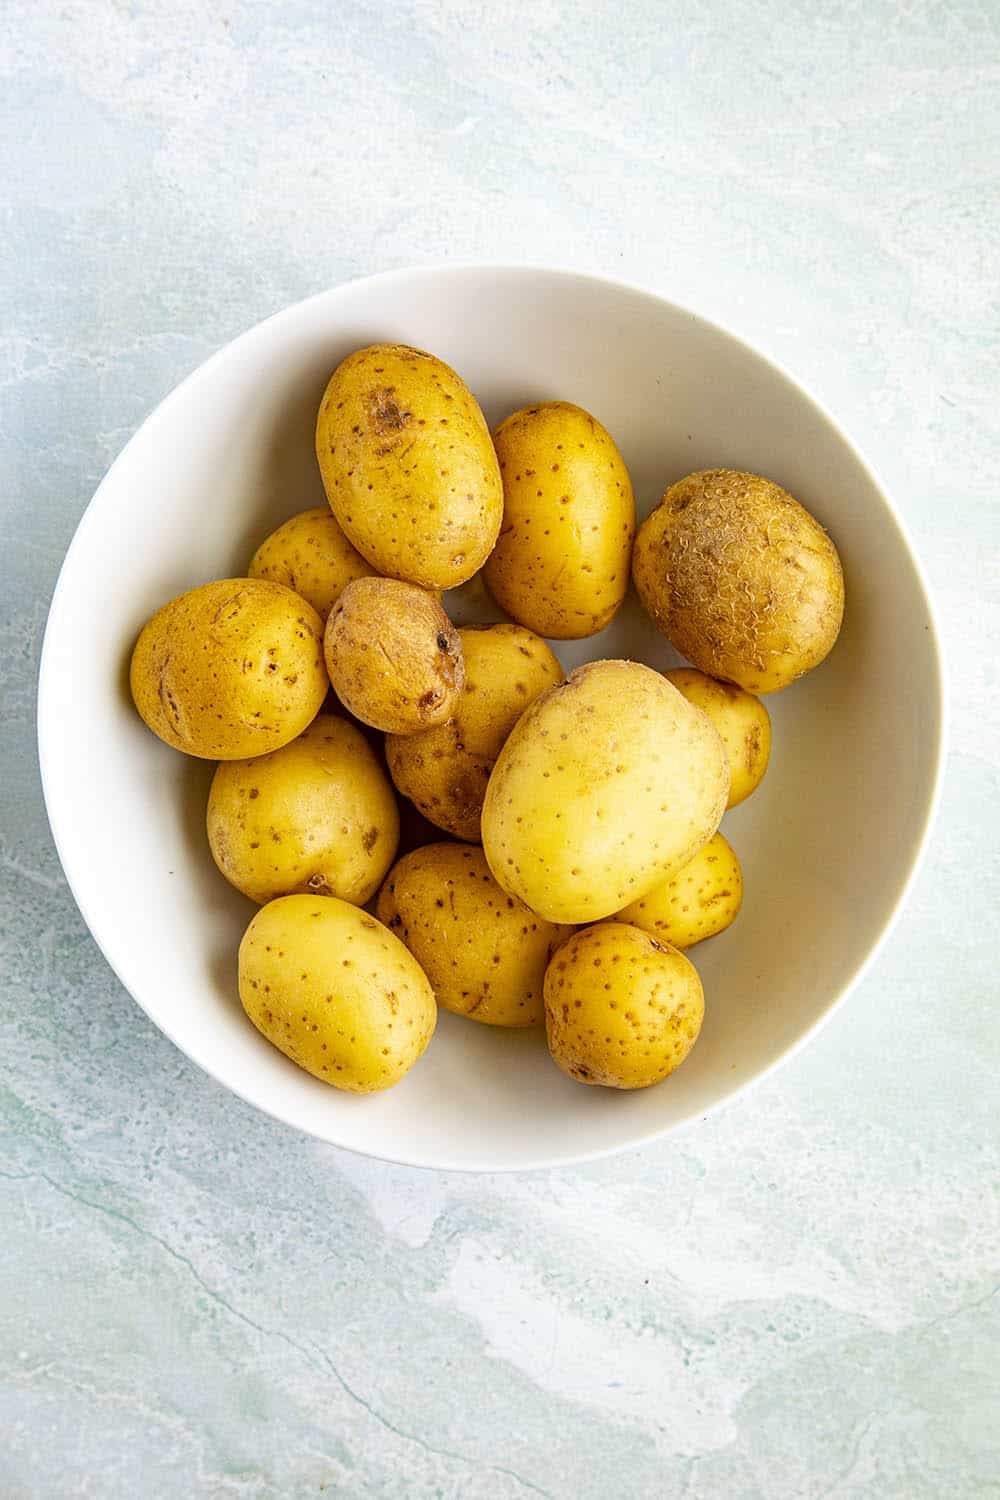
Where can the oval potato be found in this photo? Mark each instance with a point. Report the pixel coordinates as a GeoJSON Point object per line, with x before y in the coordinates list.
{"type": "Point", "coordinates": [742, 721]}
{"type": "Point", "coordinates": [311, 555]}
{"type": "Point", "coordinates": [698, 902]}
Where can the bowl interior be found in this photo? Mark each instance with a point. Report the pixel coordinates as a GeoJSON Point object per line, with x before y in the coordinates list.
{"type": "Point", "coordinates": [827, 843]}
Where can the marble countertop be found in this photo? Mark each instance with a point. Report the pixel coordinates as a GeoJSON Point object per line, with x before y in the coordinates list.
{"type": "Point", "coordinates": [798, 1299]}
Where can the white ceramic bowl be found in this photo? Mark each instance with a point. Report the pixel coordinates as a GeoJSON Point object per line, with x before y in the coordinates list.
{"type": "Point", "coordinates": [829, 842]}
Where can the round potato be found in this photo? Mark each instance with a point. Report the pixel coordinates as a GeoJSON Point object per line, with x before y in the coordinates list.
{"type": "Point", "coordinates": [740, 578]}
{"type": "Point", "coordinates": [311, 555]}
{"type": "Point", "coordinates": [318, 815]}
{"type": "Point", "coordinates": [697, 903]}
{"type": "Point", "coordinates": [408, 465]}
{"type": "Point", "coordinates": [621, 1009]}
{"type": "Point", "coordinates": [444, 771]}
{"type": "Point", "coordinates": [230, 670]}
{"type": "Point", "coordinates": [336, 992]}
{"type": "Point", "coordinates": [606, 786]}
{"type": "Point", "coordinates": [743, 723]}
{"type": "Point", "coordinates": [393, 655]}
{"type": "Point", "coordinates": [561, 563]}
{"type": "Point", "coordinates": [483, 951]}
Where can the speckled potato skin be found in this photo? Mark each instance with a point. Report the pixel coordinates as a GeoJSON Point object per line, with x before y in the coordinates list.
{"type": "Point", "coordinates": [621, 1009]}
{"type": "Point", "coordinates": [311, 555]}
{"type": "Point", "coordinates": [740, 578]}
{"type": "Point", "coordinates": [561, 563]}
{"type": "Point", "coordinates": [606, 785]}
{"type": "Point", "coordinates": [444, 771]}
{"type": "Point", "coordinates": [483, 951]}
{"type": "Point", "coordinates": [230, 670]}
{"type": "Point", "coordinates": [743, 723]}
{"type": "Point", "coordinates": [699, 902]}
{"type": "Point", "coordinates": [393, 655]}
{"type": "Point", "coordinates": [318, 815]}
{"type": "Point", "coordinates": [408, 465]}
{"type": "Point", "coordinates": [336, 992]}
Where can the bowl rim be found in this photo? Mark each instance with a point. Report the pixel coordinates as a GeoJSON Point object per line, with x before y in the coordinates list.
{"type": "Point", "coordinates": [47, 707]}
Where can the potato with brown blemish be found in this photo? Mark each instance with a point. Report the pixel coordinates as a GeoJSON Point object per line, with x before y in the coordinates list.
{"type": "Point", "coordinates": [393, 655]}
{"type": "Point", "coordinates": [699, 902]}
{"type": "Point", "coordinates": [311, 555]}
{"type": "Point", "coordinates": [743, 723]}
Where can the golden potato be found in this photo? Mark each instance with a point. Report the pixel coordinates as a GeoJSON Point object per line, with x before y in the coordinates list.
{"type": "Point", "coordinates": [444, 771]}
{"type": "Point", "coordinates": [230, 670]}
{"type": "Point", "coordinates": [621, 1009]}
{"type": "Point", "coordinates": [408, 465]}
{"type": "Point", "coordinates": [336, 992]}
{"type": "Point", "coordinates": [393, 655]}
{"type": "Point", "coordinates": [743, 723]}
{"type": "Point", "coordinates": [318, 815]}
{"type": "Point", "coordinates": [697, 903]}
{"type": "Point", "coordinates": [561, 563]}
{"type": "Point", "coordinates": [740, 578]}
{"type": "Point", "coordinates": [606, 786]}
{"type": "Point", "coordinates": [311, 555]}
{"type": "Point", "coordinates": [483, 951]}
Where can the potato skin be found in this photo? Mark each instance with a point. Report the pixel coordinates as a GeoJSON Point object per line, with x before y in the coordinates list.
{"type": "Point", "coordinates": [740, 578]}
{"type": "Point", "coordinates": [444, 771]}
{"type": "Point", "coordinates": [607, 785]}
{"type": "Point", "coordinates": [230, 670]}
{"type": "Point", "coordinates": [311, 555]}
{"type": "Point", "coordinates": [393, 655]}
{"type": "Point", "coordinates": [483, 951]}
{"type": "Point", "coordinates": [743, 723]}
{"type": "Point", "coordinates": [408, 465]}
{"type": "Point", "coordinates": [561, 563]}
{"type": "Point", "coordinates": [318, 815]}
{"type": "Point", "coordinates": [621, 1009]}
{"type": "Point", "coordinates": [336, 992]}
{"type": "Point", "coordinates": [698, 902]}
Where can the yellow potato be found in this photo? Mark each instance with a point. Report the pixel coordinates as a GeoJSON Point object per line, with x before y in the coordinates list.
{"type": "Point", "coordinates": [743, 722]}
{"type": "Point", "coordinates": [621, 1009]}
{"type": "Point", "coordinates": [606, 786]}
{"type": "Point", "coordinates": [561, 564]}
{"type": "Point", "coordinates": [336, 992]}
{"type": "Point", "coordinates": [230, 670]}
{"type": "Point", "coordinates": [318, 815]}
{"type": "Point", "coordinates": [740, 578]}
{"type": "Point", "coordinates": [444, 771]}
{"type": "Point", "coordinates": [311, 555]}
{"type": "Point", "coordinates": [483, 951]}
{"type": "Point", "coordinates": [697, 903]}
{"type": "Point", "coordinates": [393, 655]}
{"type": "Point", "coordinates": [408, 465]}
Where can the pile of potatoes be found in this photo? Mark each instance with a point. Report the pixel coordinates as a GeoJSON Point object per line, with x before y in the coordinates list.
{"type": "Point", "coordinates": [560, 834]}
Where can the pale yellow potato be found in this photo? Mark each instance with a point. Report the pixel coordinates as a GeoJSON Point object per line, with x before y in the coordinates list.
{"type": "Point", "coordinates": [230, 670]}
{"type": "Point", "coordinates": [606, 786]}
{"type": "Point", "coordinates": [311, 555]}
{"type": "Point", "coordinates": [698, 902]}
{"type": "Point", "coordinates": [561, 563]}
{"type": "Point", "coordinates": [743, 722]}
{"type": "Point", "coordinates": [444, 771]}
{"type": "Point", "coordinates": [483, 951]}
{"type": "Point", "coordinates": [621, 1009]}
{"type": "Point", "coordinates": [740, 578]}
{"type": "Point", "coordinates": [408, 465]}
{"type": "Point", "coordinates": [318, 815]}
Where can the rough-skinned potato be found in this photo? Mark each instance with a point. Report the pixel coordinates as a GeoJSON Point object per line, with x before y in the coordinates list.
{"type": "Point", "coordinates": [311, 555]}
{"type": "Point", "coordinates": [697, 903]}
{"type": "Point", "coordinates": [743, 723]}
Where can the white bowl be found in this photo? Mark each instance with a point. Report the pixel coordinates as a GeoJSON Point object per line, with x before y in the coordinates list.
{"type": "Point", "coordinates": [829, 843]}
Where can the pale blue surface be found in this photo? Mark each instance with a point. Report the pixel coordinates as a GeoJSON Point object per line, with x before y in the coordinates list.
{"type": "Point", "coordinates": [795, 1300]}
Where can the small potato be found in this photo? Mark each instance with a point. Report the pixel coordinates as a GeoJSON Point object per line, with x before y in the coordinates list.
{"type": "Point", "coordinates": [699, 902]}
{"type": "Point", "coordinates": [743, 723]}
{"type": "Point", "coordinates": [621, 1009]}
{"type": "Point", "coordinates": [230, 670]}
{"type": "Point", "coordinates": [444, 771]}
{"type": "Point", "coordinates": [311, 555]}
{"type": "Point", "coordinates": [336, 992]}
{"type": "Point", "coordinates": [318, 815]}
{"type": "Point", "coordinates": [561, 562]}
{"type": "Point", "coordinates": [483, 951]}
{"type": "Point", "coordinates": [740, 578]}
{"type": "Point", "coordinates": [393, 655]}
